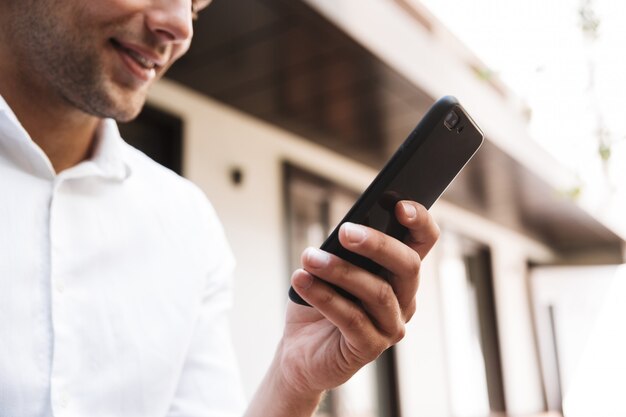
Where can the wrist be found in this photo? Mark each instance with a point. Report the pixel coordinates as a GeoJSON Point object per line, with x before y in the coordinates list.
{"type": "Point", "coordinates": [280, 396]}
{"type": "Point", "coordinates": [288, 379]}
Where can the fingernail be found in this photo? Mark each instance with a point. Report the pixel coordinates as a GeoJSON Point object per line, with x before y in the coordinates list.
{"type": "Point", "coordinates": [317, 258]}
{"type": "Point", "coordinates": [354, 233]}
{"type": "Point", "coordinates": [409, 210]}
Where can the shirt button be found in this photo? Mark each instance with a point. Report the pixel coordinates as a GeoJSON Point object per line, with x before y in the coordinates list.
{"type": "Point", "coordinates": [60, 287]}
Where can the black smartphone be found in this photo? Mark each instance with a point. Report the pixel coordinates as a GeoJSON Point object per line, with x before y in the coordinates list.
{"type": "Point", "coordinates": [421, 169]}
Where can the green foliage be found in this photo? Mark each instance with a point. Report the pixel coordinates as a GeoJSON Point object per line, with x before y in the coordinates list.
{"type": "Point", "coordinates": [589, 20]}
{"type": "Point", "coordinates": [485, 74]}
{"type": "Point", "coordinates": [604, 150]}
{"type": "Point", "coordinates": [573, 193]}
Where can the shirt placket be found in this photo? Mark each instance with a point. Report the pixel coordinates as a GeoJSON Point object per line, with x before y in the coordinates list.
{"type": "Point", "coordinates": [60, 253]}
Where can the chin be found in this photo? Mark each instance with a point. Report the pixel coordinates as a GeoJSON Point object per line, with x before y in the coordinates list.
{"type": "Point", "coordinates": [126, 107]}
{"type": "Point", "coordinates": [118, 113]}
{"type": "Point", "coordinates": [126, 115]}
{"type": "Point", "coordinates": [102, 104]}
{"type": "Point", "coordinates": [121, 108]}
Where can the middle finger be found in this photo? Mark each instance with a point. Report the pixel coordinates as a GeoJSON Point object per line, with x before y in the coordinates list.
{"type": "Point", "coordinates": [400, 260]}
{"type": "Point", "coordinates": [376, 295]}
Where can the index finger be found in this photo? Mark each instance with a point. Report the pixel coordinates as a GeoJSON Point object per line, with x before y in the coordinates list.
{"type": "Point", "coordinates": [423, 231]}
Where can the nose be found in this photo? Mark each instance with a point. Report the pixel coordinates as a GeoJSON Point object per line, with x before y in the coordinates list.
{"type": "Point", "coordinates": [170, 20]}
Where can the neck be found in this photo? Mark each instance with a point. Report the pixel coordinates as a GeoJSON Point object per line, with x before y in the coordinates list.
{"type": "Point", "coordinates": [64, 133]}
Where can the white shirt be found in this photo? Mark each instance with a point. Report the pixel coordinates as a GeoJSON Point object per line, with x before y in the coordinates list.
{"type": "Point", "coordinates": [114, 287]}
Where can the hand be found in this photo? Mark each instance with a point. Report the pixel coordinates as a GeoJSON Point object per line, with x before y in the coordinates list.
{"type": "Point", "coordinates": [323, 346]}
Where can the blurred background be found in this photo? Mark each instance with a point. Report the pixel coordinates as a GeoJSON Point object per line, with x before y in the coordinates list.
{"type": "Point", "coordinates": [283, 111]}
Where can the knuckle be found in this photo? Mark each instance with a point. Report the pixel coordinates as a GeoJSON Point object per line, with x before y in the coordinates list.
{"type": "Point", "coordinates": [386, 295]}
{"type": "Point", "coordinates": [415, 264]}
{"type": "Point", "coordinates": [400, 333]}
{"type": "Point", "coordinates": [410, 310]}
{"type": "Point", "coordinates": [380, 346]}
{"type": "Point", "coordinates": [356, 320]}
{"type": "Point", "coordinates": [327, 297]}
{"type": "Point", "coordinates": [344, 271]}
{"type": "Point", "coordinates": [375, 346]}
{"type": "Point", "coordinates": [380, 244]}
{"type": "Point", "coordinates": [436, 231]}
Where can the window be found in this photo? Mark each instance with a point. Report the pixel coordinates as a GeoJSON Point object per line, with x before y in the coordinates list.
{"type": "Point", "coordinates": [470, 328]}
{"type": "Point", "coordinates": [158, 134]}
{"type": "Point", "coordinates": [314, 207]}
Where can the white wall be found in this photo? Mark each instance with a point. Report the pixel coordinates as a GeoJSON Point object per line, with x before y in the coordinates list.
{"type": "Point", "coordinates": [421, 355]}
{"type": "Point", "coordinates": [218, 138]}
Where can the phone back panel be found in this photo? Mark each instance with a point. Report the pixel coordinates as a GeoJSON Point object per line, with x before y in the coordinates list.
{"type": "Point", "coordinates": [420, 170]}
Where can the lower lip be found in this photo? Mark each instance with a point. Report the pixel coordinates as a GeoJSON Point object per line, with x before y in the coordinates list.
{"type": "Point", "coordinates": [139, 71]}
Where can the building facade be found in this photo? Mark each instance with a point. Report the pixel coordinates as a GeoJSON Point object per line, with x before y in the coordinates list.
{"type": "Point", "coordinates": [284, 111]}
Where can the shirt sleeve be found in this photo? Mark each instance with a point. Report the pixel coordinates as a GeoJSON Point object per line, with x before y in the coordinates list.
{"type": "Point", "coordinates": [210, 385]}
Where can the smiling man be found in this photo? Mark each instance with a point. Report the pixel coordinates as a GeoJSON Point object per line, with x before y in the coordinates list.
{"type": "Point", "coordinates": [115, 273]}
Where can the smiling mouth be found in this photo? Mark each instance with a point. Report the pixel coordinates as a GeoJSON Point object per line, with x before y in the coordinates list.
{"type": "Point", "coordinates": [137, 57]}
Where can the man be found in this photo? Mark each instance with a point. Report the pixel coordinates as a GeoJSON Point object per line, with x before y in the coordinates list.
{"type": "Point", "coordinates": [114, 271]}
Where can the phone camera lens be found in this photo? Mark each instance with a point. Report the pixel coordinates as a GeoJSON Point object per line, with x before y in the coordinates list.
{"type": "Point", "coordinates": [451, 120]}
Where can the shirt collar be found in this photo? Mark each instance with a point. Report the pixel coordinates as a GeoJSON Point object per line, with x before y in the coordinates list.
{"type": "Point", "coordinates": [109, 155]}
{"type": "Point", "coordinates": [108, 158]}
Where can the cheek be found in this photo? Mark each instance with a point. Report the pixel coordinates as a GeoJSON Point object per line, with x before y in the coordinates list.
{"type": "Point", "coordinates": [112, 7]}
{"type": "Point", "coordinates": [104, 11]}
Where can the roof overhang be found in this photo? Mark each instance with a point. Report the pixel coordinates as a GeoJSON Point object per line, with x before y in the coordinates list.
{"type": "Point", "coordinates": [357, 76]}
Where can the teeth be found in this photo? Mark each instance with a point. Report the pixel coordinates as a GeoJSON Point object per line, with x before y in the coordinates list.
{"type": "Point", "coordinates": [148, 64]}
{"type": "Point", "coordinates": [141, 60]}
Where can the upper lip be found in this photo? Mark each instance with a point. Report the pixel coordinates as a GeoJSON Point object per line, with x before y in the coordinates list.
{"type": "Point", "coordinates": [158, 59]}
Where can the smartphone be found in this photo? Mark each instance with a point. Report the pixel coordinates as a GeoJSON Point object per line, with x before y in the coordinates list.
{"type": "Point", "coordinates": [420, 170]}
